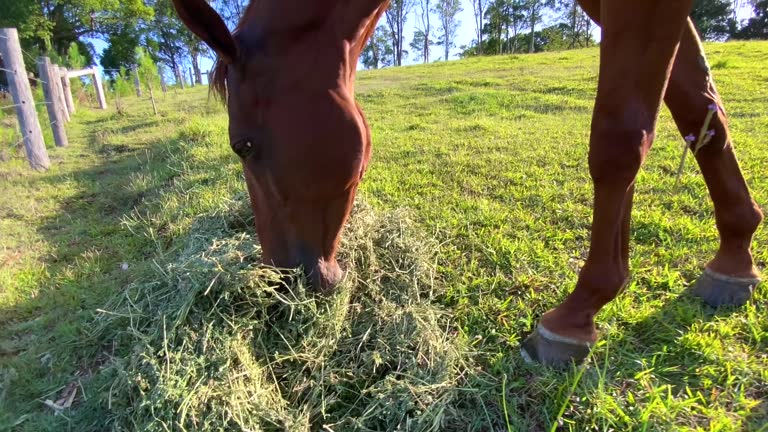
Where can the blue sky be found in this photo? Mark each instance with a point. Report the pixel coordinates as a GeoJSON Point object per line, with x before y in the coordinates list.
{"type": "Point", "coordinates": [465, 34]}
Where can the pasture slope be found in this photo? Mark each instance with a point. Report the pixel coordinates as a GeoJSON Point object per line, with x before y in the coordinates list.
{"type": "Point", "coordinates": [129, 272]}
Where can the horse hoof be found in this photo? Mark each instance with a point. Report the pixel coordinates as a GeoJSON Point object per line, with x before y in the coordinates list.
{"type": "Point", "coordinates": [553, 350]}
{"type": "Point", "coordinates": [720, 290]}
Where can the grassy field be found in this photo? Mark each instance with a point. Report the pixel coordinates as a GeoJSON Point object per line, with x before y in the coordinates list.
{"type": "Point", "coordinates": [130, 280]}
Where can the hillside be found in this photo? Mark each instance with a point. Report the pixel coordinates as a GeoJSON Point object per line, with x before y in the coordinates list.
{"type": "Point", "coordinates": [129, 271]}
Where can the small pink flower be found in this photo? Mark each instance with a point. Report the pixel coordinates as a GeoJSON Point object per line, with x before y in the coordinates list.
{"type": "Point", "coordinates": [690, 138]}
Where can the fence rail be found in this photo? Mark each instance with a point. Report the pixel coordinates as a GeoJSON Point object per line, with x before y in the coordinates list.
{"type": "Point", "coordinates": [57, 91]}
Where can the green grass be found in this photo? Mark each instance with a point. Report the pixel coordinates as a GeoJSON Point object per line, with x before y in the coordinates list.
{"type": "Point", "coordinates": [472, 221]}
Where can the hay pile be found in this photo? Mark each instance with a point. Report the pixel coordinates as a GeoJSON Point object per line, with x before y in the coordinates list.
{"type": "Point", "coordinates": [218, 343]}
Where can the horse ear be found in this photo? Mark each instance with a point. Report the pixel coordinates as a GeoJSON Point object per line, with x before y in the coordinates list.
{"type": "Point", "coordinates": [203, 21]}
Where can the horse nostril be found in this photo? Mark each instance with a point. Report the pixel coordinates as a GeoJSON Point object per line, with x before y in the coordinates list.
{"type": "Point", "coordinates": [323, 275]}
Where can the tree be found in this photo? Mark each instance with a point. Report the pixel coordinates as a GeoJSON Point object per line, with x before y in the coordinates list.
{"type": "Point", "coordinates": [503, 17]}
{"type": "Point", "coordinates": [396, 15]}
{"type": "Point", "coordinates": [120, 51]}
{"type": "Point", "coordinates": [578, 30]}
{"type": "Point", "coordinates": [196, 49]}
{"type": "Point", "coordinates": [421, 44]}
{"type": "Point", "coordinates": [553, 38]}
{"type": "Point", "coordinates": [75, 60]}
{"type": "Point", "coordinates": [738, 4]}
{"type": "Point", "coordinates": [230, 10]}
{"type": "Point", "coordinates": [148, 75]}
{"type": "Point", "coordinates": [496, 17]}
{"type": "Point", "coordinates": [447, 11]}
{"type": "Point", "coordinates": [147, 69]}
{"type": "Point", "coordinates": [122, 88]}
{"type": "Point", "coordinates": [422, 37]}
{"type": "Point", "coordinates": [713, 18]}
{"type": "Point", "coordinates": [378, 52]}
{"type": "Point", "coordinates": [168, 38]}
{"type": "Point", "coordinates": [51, 26]}
{"type": "Point", "coordinates": [516, 22]}
{"type": "Point", "coordinates": [535, 14]}
{"type": "Point", "coordinates": [478, 7]}
{"type": "Point", "coordinates": [757, 26]}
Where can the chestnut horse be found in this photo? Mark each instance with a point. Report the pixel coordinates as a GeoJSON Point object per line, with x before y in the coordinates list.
{"type": "Point", "coordinates": [288, 74]}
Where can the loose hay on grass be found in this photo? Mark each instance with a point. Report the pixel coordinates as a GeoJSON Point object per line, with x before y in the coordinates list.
{"type": "Point", "coordinates": [220, 343]}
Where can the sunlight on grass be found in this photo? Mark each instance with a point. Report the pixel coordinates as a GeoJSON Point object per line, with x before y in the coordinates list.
{"type": "Point", "coordinates": [131, 269]}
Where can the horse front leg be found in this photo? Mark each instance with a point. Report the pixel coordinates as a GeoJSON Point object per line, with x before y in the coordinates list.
{"type": "Point", "coordinates": [639, 43]}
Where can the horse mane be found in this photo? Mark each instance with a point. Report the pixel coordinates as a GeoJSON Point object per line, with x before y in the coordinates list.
{"type": "Point", "coordinates": [219, 79]}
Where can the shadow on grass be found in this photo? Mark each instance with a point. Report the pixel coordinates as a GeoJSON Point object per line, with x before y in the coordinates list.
{"type": "Point", "coordinates": [679, 345]}
{"type": "Point", "coordinates": [86, 250]}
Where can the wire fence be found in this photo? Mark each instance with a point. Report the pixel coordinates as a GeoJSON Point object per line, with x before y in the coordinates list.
{"type": "Point", "coordinates": [13, 138]}
{"type": "Point", "coordinates": [30, 77]}
{"type": "Point", "coordinates": [17, 105]}
{"type": "Point", "coordinates": [18, 143]}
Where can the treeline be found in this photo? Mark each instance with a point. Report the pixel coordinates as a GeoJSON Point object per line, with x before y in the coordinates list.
{"type": "Point", "coordinates": [65, 29]}
{"type": "Point", "coordinates": [528, 26]}
{"type": "Point", "coordinates": [127, 27]}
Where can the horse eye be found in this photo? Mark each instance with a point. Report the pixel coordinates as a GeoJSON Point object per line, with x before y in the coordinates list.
{"type": "Point", "coordinates": [244, 148]}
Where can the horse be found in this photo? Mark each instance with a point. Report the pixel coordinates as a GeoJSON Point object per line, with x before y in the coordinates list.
{"type": "Point", "coordinates": [287, 75]}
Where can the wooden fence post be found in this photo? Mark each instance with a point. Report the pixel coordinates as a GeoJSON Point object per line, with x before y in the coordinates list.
{"type": "Point", "coordinates": [152, 97]}
{"type": "Point", "coordinates": [18, 84]}
{"type": "Point", "coordinates": [97, 84]}
{"type": "Point", "coordinates": [179, 77]}
{"type": "Point", "coordinates": [163, 85]}
{"type": "Point", "coordinates": [59, 89]}
{"type": "Point", "coordinates": [52, 101]}
{"type": "Point", "coordinates": [136, 82]}
{"type": "Point", "coordinates": [67, 90]}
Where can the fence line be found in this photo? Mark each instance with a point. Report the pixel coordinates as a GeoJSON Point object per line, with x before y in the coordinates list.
{"type": "Point", "coordinates": [16, 144]}
{"type": "Point", "coordinates": [29, 77]}
{"type": "Point", "coordinates": [18, 105]}
{"type": "Point", "coordinates": [57, 91]}
{"type": "Point", "coordinates": [56, 113]}
{"type": "Point", "coordinates": [31, 57]}
{"type": "Point", "coordinates": [23, 99]}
